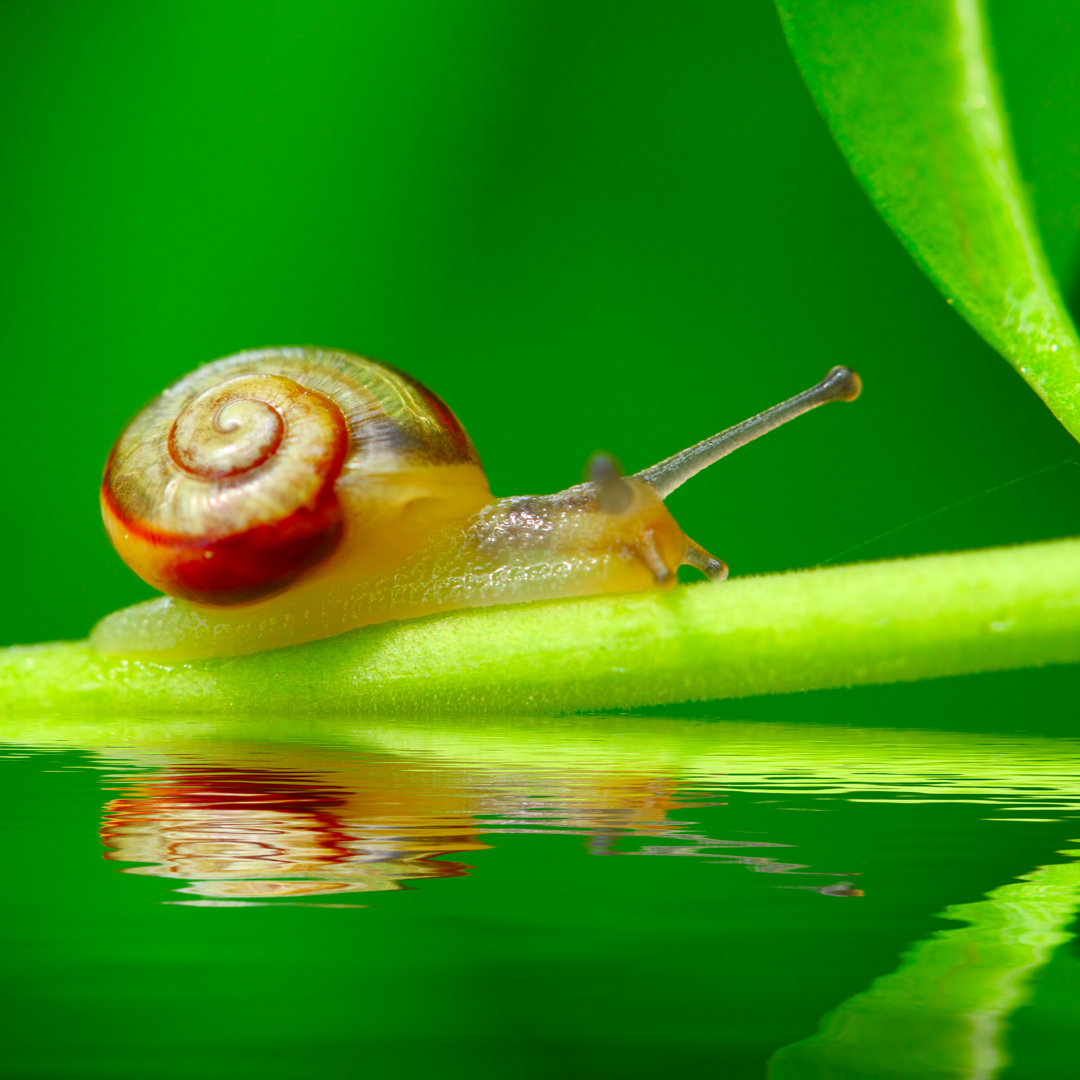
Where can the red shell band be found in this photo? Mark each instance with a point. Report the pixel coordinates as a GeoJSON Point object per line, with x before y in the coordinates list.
{"type": "Point", "coordinates": [234, 569]}
{"type": "Point", "coordinates": [259, 562]}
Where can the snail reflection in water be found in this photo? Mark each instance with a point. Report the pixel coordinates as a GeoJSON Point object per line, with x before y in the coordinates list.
{"type": "Point", "coordinates": [232, 823]}
{"type": "Point", "coordinates": [289, 494]}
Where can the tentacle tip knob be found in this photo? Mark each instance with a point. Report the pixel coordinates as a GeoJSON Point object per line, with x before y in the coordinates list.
{"type": "Point", "coordinates": [842, 384]}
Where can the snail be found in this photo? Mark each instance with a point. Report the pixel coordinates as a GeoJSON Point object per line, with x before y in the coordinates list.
{"type": "Point", "coordinates": [283, 495]}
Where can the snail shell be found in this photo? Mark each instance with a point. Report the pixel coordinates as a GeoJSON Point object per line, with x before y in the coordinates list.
{"type": "Point", "coordinates": [248, 473]}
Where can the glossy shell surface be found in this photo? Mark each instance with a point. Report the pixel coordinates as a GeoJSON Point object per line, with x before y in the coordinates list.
{"type": "Point", "coordinates": [247, 473]}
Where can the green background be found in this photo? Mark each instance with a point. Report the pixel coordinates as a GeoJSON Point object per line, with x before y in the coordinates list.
{"type": "Point", "coordinates": [586, 225]}
{"type": "Point", "coordinates": [602, 225]}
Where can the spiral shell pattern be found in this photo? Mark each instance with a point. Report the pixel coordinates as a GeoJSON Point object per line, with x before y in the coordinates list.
{"type": "Point", "coordinates": [229, 486]}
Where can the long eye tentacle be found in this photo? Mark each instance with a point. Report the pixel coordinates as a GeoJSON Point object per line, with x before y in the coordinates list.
{"type": "Point", "coordinates": [841, 384]}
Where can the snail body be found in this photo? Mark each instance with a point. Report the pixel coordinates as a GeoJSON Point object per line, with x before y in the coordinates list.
{"type": "Point", "coordinates": [283, 495]}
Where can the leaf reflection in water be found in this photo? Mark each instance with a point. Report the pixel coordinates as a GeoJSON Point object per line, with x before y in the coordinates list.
{"type": "Point", "coordinates": [940, 1015]}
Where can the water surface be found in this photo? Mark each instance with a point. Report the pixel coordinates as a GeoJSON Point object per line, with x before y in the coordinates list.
{"type": "Point", "coordinates": [601, 896]}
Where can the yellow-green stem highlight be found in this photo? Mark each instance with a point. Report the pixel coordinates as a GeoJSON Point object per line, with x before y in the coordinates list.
{"type": "Point", "coordinates": [844, 626]}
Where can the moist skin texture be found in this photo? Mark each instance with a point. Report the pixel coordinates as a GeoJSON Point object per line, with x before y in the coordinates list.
{"type": "Point", "coordinates": [513, 550]}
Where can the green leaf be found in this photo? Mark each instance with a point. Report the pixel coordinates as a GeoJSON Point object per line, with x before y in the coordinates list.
{"type": "Point", "coordinates": [848, 625]}
{"type": "Point", "coordinates": [910, 92]}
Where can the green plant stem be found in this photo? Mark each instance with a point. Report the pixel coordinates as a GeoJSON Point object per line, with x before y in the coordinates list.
{"type": "Point", "coordinates": [843, 626]}
{"type": "Point", "coordinates": [910, 92]}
